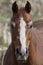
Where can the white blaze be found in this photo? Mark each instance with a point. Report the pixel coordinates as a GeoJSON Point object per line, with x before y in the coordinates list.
{"type": "Point", "coordinates": [22, 35]}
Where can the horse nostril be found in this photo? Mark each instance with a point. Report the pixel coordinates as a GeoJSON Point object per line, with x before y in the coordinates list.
{"type": "Point", "coordinates": [20, 54]}
{"type": "Point", "coordinates": [17, 50]}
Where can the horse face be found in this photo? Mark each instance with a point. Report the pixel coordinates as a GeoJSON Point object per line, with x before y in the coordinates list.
{"type": "Point", "coordinates": [20, 28]}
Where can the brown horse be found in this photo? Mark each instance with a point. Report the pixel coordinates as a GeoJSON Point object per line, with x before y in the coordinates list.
{"type": "Point", "coordinates": [26, 40]}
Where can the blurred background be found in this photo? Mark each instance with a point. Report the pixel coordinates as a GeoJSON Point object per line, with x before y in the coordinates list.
{"type": "Point", "coordinates": [5, 17]}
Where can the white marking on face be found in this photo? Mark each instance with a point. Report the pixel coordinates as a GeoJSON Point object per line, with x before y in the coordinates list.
{"type": "Point", "coordinates": [23, 35]}
{"type": "Point", "coordinates": [13, 24]}
{"type": "Point", "coordinates": [25, 58]}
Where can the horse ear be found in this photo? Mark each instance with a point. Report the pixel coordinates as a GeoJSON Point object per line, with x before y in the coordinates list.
{"type": "Point", "coordinates": [15, 7]}
{"type": "Point", "coordinates": [28, 7]}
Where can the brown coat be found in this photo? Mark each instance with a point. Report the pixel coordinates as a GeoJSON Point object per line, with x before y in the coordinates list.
{"type": "Point", "coordinates": [36, 51]}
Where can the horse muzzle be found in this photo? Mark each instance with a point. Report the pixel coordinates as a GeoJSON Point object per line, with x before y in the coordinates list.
{"type": "Point", "coordinates": [21, 56]}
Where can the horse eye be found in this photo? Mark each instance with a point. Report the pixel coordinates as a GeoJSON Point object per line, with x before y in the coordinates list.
{"type": "Point", "coordinates": [13, 25]}
{"type": "Point", "coordinates": [30, 24]}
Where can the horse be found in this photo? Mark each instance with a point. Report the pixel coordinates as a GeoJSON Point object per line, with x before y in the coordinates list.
{"type": "Point", "coordinates": [38, 24]}
{"type": "Point", "coordinates": [27, 42]}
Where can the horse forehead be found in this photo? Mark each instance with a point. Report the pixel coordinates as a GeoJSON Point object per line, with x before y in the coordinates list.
{"type": "Point", "coordinates": [21, 13]}
{"type": "Point", "coordinates": [21, 9]}
{"type": "Point", "coordinates": [22, 21]}
{"type": "Point", "coordinates": [24, 14]}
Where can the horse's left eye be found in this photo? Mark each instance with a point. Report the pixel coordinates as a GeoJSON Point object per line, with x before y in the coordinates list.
{"type": "Point", "coordinates": [30, 24]}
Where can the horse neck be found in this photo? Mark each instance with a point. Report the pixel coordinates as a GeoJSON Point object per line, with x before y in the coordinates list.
{"type": "Point", "coordinates": [37, 36]}
{"type": "Point", "coordinates": [36, 46]}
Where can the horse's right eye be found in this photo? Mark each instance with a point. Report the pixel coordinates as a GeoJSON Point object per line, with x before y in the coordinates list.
{"type": "Point", "coordinates": [13, 25]}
